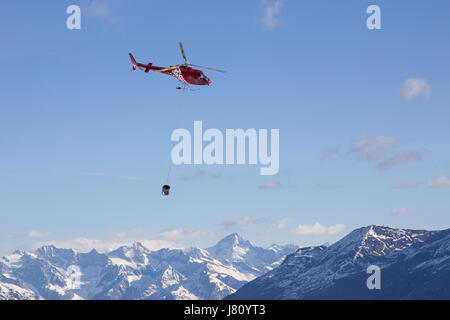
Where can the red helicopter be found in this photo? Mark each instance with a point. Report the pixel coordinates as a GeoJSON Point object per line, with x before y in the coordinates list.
{"type": "Point", "coordinates": [183, 72]}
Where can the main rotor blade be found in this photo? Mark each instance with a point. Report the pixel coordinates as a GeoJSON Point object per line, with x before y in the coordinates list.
{"type": "Point", "coordinates": [166, 69]}
{"type": "Point", "coordinates": [194, 65]}
{"type": "Point", "coordinates": [182, 52]}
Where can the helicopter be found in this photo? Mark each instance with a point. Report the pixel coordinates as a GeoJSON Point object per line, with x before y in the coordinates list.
{"type": "Point", "coordinates": [184, 73]}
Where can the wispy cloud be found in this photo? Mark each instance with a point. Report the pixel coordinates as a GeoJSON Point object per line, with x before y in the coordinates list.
{"type": "Point", "coordinates": [32, 234]}
{"type": "Point", "coordinates": [271, 185]}
{"type": "Point", "coordinates": [381, 149]}
{"type": "Point", "coordinates": [416, 89]}
{"type": "Point", "coordinates": [328, 153]}
{"type": "Point", "coordinates": [406, 185]}
{"type": "Point", "coordinates": [133, 233]}
{"type": "Point", "coordinates": [373, 149]}
{"type": "Point", "coordinates": [318, 229]}
{"type": "Point", "coordinates": [442, 181]}
{"type": "Point", "coordinates": [237, 222]}
{"type": "Point", "coordinates": [101, 10]}
{"type": "Point", "coordinates": [196, 175]}
{"type": "Point", "coordinates": [35, 234]}
{"type": "Point", "coordinates": [400, 158]}
{"type": "Point", "coordinates": [203, 174]}
{"type": "Point", "coordinates": [399, 212]}
{"type": "Point", "coordinates": [272, 10]}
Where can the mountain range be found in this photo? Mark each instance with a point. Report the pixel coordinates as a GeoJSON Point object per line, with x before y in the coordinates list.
{"type": "Point", "coordinates": [412, 264]}
{"type": "Point", "coordinates": [135, 272]}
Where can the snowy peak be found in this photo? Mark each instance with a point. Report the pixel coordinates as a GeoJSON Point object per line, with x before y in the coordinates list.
{"type": "Point", "coordinates": [139, 247]}
{"type": "Point", "coordinates": [60, 257]}
{"type": "Point", "coordinates": [248, 258]}
{"type": "Point", "coordinates": [384, 240]}
{"type": "Point", "coordinates": [130, 253]}
{"type": "Point", "coordinates": [309, 251]}
{"type": "Point", "coordinates": [377, 241]}
{"type": "Point", "coordinates": [232, 248]}
{"type": "Point", "coordinates": [234, 240]}
{"type": "Point", "coordinates": [132, 256]}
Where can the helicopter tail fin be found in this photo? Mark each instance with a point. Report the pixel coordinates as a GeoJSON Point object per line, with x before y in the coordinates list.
{"type": "Point", "coordinates": [145, 67]}
{"type": "Point", "coordinates": [132, 58]}
{"type": "Point", "coordinates": [133, 61]}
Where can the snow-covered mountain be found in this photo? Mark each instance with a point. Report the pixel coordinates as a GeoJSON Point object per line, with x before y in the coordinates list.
{"type": "Point", "coordinates": [135, 272]}
{"type": "Point", "coordinates": [415, 264]}
{"type": "Point", "coordinates": [247, 257]}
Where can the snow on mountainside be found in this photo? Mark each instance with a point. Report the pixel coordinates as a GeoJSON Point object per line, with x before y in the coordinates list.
{"type": "Point", "coordinates": [409, 260]}
{"type": "Point", "coordinates": [135, 272]}
{"type": "Point", "coordinates": [242, 253]}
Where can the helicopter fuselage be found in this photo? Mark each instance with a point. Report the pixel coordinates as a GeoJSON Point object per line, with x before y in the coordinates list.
{"type": "Point", "coordinates": [189, 75]}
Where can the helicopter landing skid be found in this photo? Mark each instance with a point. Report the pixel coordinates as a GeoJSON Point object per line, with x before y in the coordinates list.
{"type": "Point", "coordinates": [185, 87]}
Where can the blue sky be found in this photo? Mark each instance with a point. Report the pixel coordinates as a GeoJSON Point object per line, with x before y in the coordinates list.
{"type": "Point", "coordinates": [363, 119]}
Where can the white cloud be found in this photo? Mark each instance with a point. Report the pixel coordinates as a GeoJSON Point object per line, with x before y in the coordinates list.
{"type": "Point", "coordinates": [133, 233]}
{"type": "Point", "coordinates": [400, 158]}
{"type": "Point", "coordinates": [86, 244]}
{"type": "Point", "coordinates": [271, 185]}
{"type": "Point", "coordinates": [317, 229]}
{"type": "Point", "coordinates": [443, 181]}
{"type": "Point", "coordinates": [399, 212]}
{"type": "Point", "coordinates": [237, 222]}
{"type": "Point", "coordinates": [336, 229]}
{"type": "Point", "coordinates": [156, 241]}
{"type": "Point", "coordinates": [271, 14]}
{"type": "Point", "coordinates": [416, 89]}
{"type": "Point", "coordinates": [181, 233]}
{"type": "Point", "coordinates": [304, 229]}
{"type": "Point", "coordinates": [34, 234]}
{"type": "Point", "coordinates": [373, 149]}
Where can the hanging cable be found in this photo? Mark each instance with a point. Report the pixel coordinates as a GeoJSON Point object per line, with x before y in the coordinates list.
{"type": "Point", "coordinates": [178, 116]}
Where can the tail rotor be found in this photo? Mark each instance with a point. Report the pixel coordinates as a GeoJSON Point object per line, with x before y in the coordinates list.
{"type": "Point", "coordinates": [134, 64]}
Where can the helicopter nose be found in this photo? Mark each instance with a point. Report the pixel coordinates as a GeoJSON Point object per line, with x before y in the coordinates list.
{"type": "Point", "coordinates": [209, 81]}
